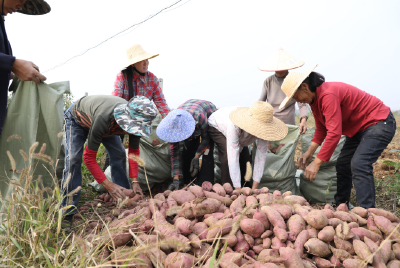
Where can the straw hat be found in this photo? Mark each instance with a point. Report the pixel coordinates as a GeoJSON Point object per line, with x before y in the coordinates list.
{"type": "Point", "coordinates": [136, 116]}
{"type": "Point", "coordinates": [35, 7]}
{"type": "Point", "coordinates": [291, 83]}
{"type": "Point", "coordinates": [280, 61]}
{"type": "Point", "coordinates": [136, 53]}
{"type": "Point", "coordinates": [177, 126]}
{"type": "Point", "coordinates": [258, 120]}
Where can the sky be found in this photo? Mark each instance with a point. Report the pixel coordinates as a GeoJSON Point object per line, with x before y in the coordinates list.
{"type": "Point", "coordinates": [211, 49]}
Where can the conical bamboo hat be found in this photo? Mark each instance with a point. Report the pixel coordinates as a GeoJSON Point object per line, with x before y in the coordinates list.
{"type": "Point", "coordinates": [281, 60]}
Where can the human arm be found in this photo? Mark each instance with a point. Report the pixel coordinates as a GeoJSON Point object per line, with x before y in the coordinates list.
{"type": "Point", "coordinates": [233, 152]}
{"type": "Point", "coordinates": [259, 161]}
{"type": "Point", "coordinates": [176, 161]}
{"type": "Point", "coordinates": [6, 62]}
{"type": "Point", "coordinates": [120, 88]}
{"type": "Point", "coordinates": [263, 96]}
{"type": "Point", "coordinates": [159, 99]}
{"type": "Point", "coordinates": [134, 165]}
{"type": "Point", "coordinates": [303, 117]}
{"type": "Point", "coordinates": [24, 70]}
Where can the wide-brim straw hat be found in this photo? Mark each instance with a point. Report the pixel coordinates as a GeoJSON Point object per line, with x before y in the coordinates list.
{"type": "Point", "coordinates": [258, 120]}
{"type": "Point", "coordinates": [291, 83]}
{"type": "Point", "coordinates": [177, 126]}
{"type": "Point", "coordinates": [136, 54]}
{"type": "Point", "coordinates": [35, 7]}
{"type": "Point", "coordinates": [281, 60]}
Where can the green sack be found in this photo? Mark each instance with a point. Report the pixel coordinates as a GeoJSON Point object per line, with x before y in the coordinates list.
{"type": "Point", "coordinates": [35, 114]}
{"type": "Point", "coordinates": [324, 187]}
{"type": "Point", "coordinates": [280, 169]}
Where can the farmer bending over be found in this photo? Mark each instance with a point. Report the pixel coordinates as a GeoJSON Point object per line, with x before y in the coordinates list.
{"type": "Point", "coordinates": [233, 129]}
{"type": "Point", "coordinates": [338, 109]}
{"type": "Point", "coordinates": [280, 62]}
{"type": "Point", "coordinates": [101, 119]}
{"type": "Point", "coordinates": [189, 123]}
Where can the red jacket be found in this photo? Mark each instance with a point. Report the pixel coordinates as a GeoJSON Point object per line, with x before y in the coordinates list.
{"type": "Point", "coordinates": [340, 108]}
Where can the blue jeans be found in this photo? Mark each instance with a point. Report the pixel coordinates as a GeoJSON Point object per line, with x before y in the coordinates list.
{"type": "Point", "coordinates": [355, 161]}
{"type": "Point", "coordinates": [76, 138]}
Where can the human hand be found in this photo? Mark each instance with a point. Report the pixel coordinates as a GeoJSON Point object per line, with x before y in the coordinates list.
{"type": "Point", "coordinates": [303, 160]}
{"type": "Point", "coordinates": [311, 171]}
{"type": "Point", "coordinates": [275, 149]}
{"type": "Point", "coordinates": [27, 71]}
{"type": "Point", "coordinates": [155, 142]}
{"type": "Point", "coordinates": [255, 185]}
{"type": "Point", "coordinates": [115, 191]}
{"type": "Point", "coordinates": [194, 167]}
{"type": "Point", "coordinates": [303, 125]}
{"type": "Point", "coordinates": [136, 188]}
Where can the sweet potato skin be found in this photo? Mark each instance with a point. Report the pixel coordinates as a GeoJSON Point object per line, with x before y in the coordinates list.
{"type": "Point", "coordinates": [274, 217]}
{"type": "Point", "coordinates": [317, 247]}
{"type": "Point", "coordinates": [292, 258]}
{"type": "Point", "coordinates": [252, 227]}
{"type": "Point", "coordinates": [179, 260]}
{"type": "Point", "coordinates": [317, 219]}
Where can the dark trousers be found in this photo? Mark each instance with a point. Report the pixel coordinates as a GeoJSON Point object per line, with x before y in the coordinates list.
{"type": "Point", "coordinates": [206, 172]}
{"type": "Point", "coordinates": [133, 141]}
{"type": "Point", "coordinates": [244, 157]}
{"type": "Point", "coordinates": [355, 161]}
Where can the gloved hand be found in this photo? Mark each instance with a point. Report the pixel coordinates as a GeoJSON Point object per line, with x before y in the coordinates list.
{"type": "Point", "coordinates": [174, 185]}
{"type": "Point", "coordinates": [194, 167]}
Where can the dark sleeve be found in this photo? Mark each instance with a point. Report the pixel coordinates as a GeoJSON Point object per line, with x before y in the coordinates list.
{"type": "Point", "coordinates": [6, 62]}
{"type": "Point", "coordinates": [99, 128]}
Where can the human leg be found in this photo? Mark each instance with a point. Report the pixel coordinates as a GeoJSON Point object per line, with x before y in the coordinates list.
{"type": "Point", "coordinates": [189, 151]}
{"type": "Point", "coordinates": [220, 140]}
{"type": "Point", "coordinates": [206, 172]}
{"type": "Point", "coordinates": [244, 157]}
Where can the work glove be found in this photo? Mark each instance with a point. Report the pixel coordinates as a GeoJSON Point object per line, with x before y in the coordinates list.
{"type": "Point", "coordinates": [194, 167]}
{"type": "Point", "coordinates": [174, 185]}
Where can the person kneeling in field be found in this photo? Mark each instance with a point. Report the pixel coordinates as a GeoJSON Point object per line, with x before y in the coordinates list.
{"type": "Point", "coordinates": [189, 123]}
{"type": "Point", "coordinates": [233, 129]}
{"type": "Point", "coordinates": [101, 119]}
{"type": "Point", "coordinates": [338, 109]}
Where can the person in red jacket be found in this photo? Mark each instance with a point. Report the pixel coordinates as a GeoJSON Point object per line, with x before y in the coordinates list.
{"type": "Point", "coordinates": [342, 109]}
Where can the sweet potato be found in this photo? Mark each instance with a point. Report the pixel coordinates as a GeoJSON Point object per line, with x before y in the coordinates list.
{"type": "Point", "coordinates": [387, 214]}
{"type": "Point", "coordinates": [335, 261]}
{"type": "Point", "coordinates": [295, 199]}
{"type": "Point", "coordinates": [362, 232]}
{"type": "Point", "coordinates": [207, 186]}
{"type": "Point", "coordinates": [204, 252]}
{"type": "Point", "coordinates": [300, 210]}
{"type": "Point", "coordinates": [334, 222]}
{"type": "Point", "coordinates": [340, 254]}
{"type": "Point", "coordinates": [355, 224]}
{"type": "Point", "coordinates": [160, 196]}
{"type": "Point", "coordinates": [230, 239]}
{"type": "Point", "coordinates": [257, 191]}
{"type": "Point", "coordinates": [237, 205]}
{"type": "Point", "coordinates": [326, 234]}
{"type": "Point", "coordinates": [274, 217]}
{"type": "Point", "coordinates": [396, 250]}
{"type": "Point", "coordinates": [224, 200]}
{"type": "Point", "coordinates": [317, 247]}
{"type": "Point", "coordinates": [277, 195]}
{"type": "Point", "coordinates": [287, 193]}
{"type": "Point", "coordinates": [210, 221]}
{"type": "Point", "coordinates": [343, 207]}
{"type": "Point", "coordinates": [360, 211]}
{"type": "Point", "coordinates": [249, 240]}
{"type": "Point", "coordinates": [267, 242]}
{"type": "Point", "coordinates": [393, 264]}
{"type": "Point", "coordinates": [228, 188]}
{"type": "Point", "coordinates": [171, 202]}
{"type": "Point", "coordinates": [312, 232]}
{"type": "Point", "coordinates": [258, 248]}
{"type": "Point", "coordinates": [385, 226]}
{"type": "Point", "coordinates": [362, 250]}
{"type": "Point", "coordinates": [201, 230]}
{"type": "Point", "coordinates": [251, 201]}
{"type": "Point", "coordinates": [283, 209]}
{"type": "Point", "coordinates": [182, 196]}
{"type": "Point", "coordinates": [246, 191]}
{"type": "Point", "coordinates": [289, 244]}
{"type": "Point", "coordinates": [292, 259]}
{"type": "Point", "coordinates": [317, 219]}
{"type": "Point", "coordinates": [308, 263]}
{"type": "Point", "coordinates": [353, 263]}
{"type": "Point", "coordinates": [377, 260]}
{"type": "Point", "coordinates": [262, 217]}
{"type": "Point", "coordinates": [276, 243]}
{"type": "Point", "coordinates": [252, 227]}
{"type": "Point", "coordinates": [328, 213]}
{"type": "Point", "coordinates": [185, 226]}
{"type": "Point", "coordinates": [322, 263]}
{"type": "Point", "coordinates": [180, 260]}
{"type": "Point", "coordinates": [234, 197]}
{"type": "Point", "coordinates": [386, 249]}
{"type": "Point", "coordinates": [237, 192]}
{"type": "Point", "coordinates": [344, 216]}
{"type": "Point", "coordinates": [296, 224]}
{"type": "Point", "coordinates": [219, 189]}
{"type": "Point", "coordinates": [241, 245]}
{"type": "Point", "coordinates": [300, 241]}
{"type": "Point", "coordinates": [196, 190]}
{"type": "Point", "coordinates": [280, 233]}
{"type": "Point", "coordinates": [199, 207]}
{"type": "Point", "coordinates": [221, 227]}
{"type": "Point", "coordinates": [120, 254]}
{"type": "Point", "coordinates": [229, 258]}
{"type": "Point", "coordinates": [327, 206]}
{"type": "Point", "coordinates": [266, 234]}
{"type": "Point", "coordinates": [343, 244]}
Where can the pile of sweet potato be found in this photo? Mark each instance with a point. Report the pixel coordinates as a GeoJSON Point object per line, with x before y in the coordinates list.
{"type": "Point", "coordinates": [246, 228]}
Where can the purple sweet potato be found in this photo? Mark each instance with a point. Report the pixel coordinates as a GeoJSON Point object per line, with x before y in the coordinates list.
{"type": "Point", "coordinates": [196, 190]}
{"type": "Point", "coordinates": [353, 263]}
{"type": "Point", "coordinates": [343, 244]}
{"type": "Point", "coordinates": [204, 252]}
{"type": "Point", "coordinates": [344, 216]}
{"type": "Point", "coordinates": [296, 224]}
{"type": "Point", "coordinates": [237, 205]}
{"type": "Point", "coordinates": [267, 242]}
{"type": "Point", "coordinates": [317, 247]}
{"type": "Point", "coordinates": [386, 249]}
{"type": "Point", "coordinates": [280, 233]}
{"type": "Point", "coordinates": [246, 191]}
{"type": "Point", "coordinates": [317, 219]}
{"type": "Point", "coordinates": [362, 250]}
{"type": "Point", "coordinates": [372, 226]}
{"type": "Point", "coordinates": [328, 213]}
{"type": "Point", "coordinates": [262, 217]}
{"type": "Point", "coordinates": [300, 210]}
{"type": "Point", "coordinates": [180, 260]}
{"type": "Point", "coordinates": [292, 259]}
{"type": "Point", "coordinates": [266, 234]}
{"type": "Point", "coordinates": [221, 227]}
{"type": "Point", "coordinates": [224, 200]}
{"type": "Point", "coordinates": [230, 239]}
{"type": "Point", "coordinates": [334, 222]}
{"type": "Point", "coordinates": [360, 211]}
{"type": "Point", "coordinates": [258, 248]}
{"type": "Point", "coordinates": [362, 232]}
{"type": "Point", "coordinates": [249, 239]}
{"type": "Point", "coordinates": [201, 230]}
{"type": "Point", "coordinates": [207, 186]}
{"type": "Point", "coordinates": [219, 189]}
{"type": "Point", "coordinates": [342, 207]}
{"type": "Point", "coordinates": [210, 221]}
{"type": "Point", "coordinates": [322, 263]}
{"type": "Point", "coordinates": [386, 226]}
{"type": "Point", "coordinates": [377, 260]}
{"type": "Point", "coordinates": [194, 240]}
{"type": "Point", "coordinates": [274, 217]}
{"type": "Point", "coordinates": [241, 245]}
{"type": "Point", "coordinates": [340, 254]}
{"type": "Point", "coordinates": [231, 258]}
{"type": "Point", "coordinates": [295, 199]}
{"type": "Point", "coordinates": [276, 243]}
{"type": "Point", "coordinates": [228, 188]}
{"type": "Point", "coordinates": [199, 207]}
{"type": "Point", "coordinates": [283, 209]}
{"type": "Point", "coordinates": [312, 232]}
{"type": "Point", "coordinates": [326, 234]}
{"type": "Point", "coordinates": [277, 195]}
{"type": "Point", "coordinates": [252, 227]}
{"type": "Point", "coordinates": [251, 201]}
{"type": "Point", "coordinates": [300, 241]}
{"type": "Point", "coordinates": [182, 196]}
{"type": "Point", "coordinates": [387, 214]}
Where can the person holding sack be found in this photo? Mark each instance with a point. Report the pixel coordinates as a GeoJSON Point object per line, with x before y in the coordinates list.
{"type": "Point", "coordinates": [100, 119]}
{"type": "Point", "coordinates": [233, 129]}
{"type": "Point", "coordinates": [189, 124]}
{"type": "Point", "coordinates": [10, 65]}
{"type": "Point", "coordinates": [280, 62]}
{"type": "Point", "coordinates": [136, 80]}
{"type": "Point", "coordinates": [342, 109]}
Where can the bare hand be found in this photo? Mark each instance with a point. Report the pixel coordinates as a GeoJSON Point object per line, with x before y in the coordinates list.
{"type": "Point", "coordinates": [303, 160]}
{"type": "Point", "coordinates": [114, 190]}
{"type": "Point", "coordinates": [275, 149]}
{"type": "Point", "coordinates": [311, 171]}
{"type": "Point", "coordinates": [255, 185]}
{"type": "Point", "coordinates": [303, 125]}
{"type": "Point", "coordinates": [27, 71]}
{"type": "Point", "coordinates": [136, 188]}
{"type": "Point", "coordinates": [155, 142]}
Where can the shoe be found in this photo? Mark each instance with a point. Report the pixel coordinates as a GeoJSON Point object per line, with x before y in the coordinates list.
{"type": "Point", "coordinates": [67, 222]}
{"type": "Point", "coordinates": [174, 185]}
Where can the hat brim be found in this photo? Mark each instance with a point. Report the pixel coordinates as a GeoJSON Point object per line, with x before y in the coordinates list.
{"type": "Point", "coordinates": [269, 68]}
{"type": "Point", "coordinates": [171, 136]}
{"type": "Point", "coordinates": [273, 131]}
{"type": "Point", "coordinates": [122, 119]}
{"type": "Point", "coordinates": [146, 56]}
{"type": "Point", "coordinates": [35, 7]}
{"type": "Point", "coordinates": [298, 83]}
